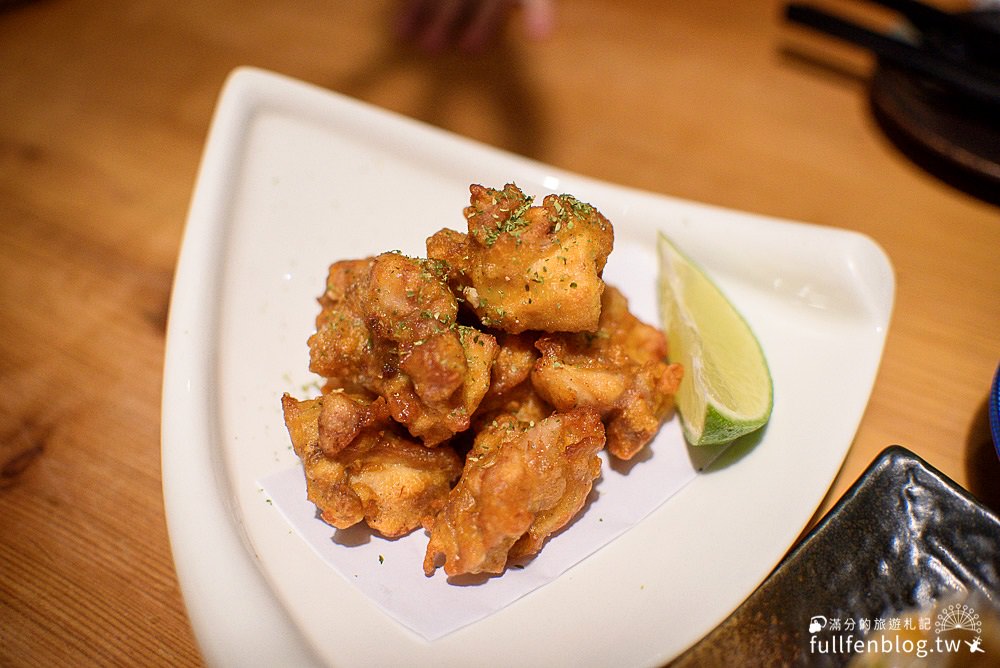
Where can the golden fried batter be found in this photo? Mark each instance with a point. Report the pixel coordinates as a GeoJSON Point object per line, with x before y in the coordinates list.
{"type": "Point", "coordinates": [620, 371]}
{"type": "Point", "coordinates": [506, 340]}
{"type": "Point", "coordinates": [521, 483]}
{"type": "Point", "coordinates": [388, 325]}
{"type": "Point", "coordinates": [341, 350]}
{"type": "Point", "coordinates": [515, 359]}
{"type": "Point", "coordinates": [511, 390]}
{"type": "Point", "coordinates": [435, 421]}
{"type": "Point", "coordinates": [358, 466]}
{"type": "Point", "coordinates": [523, 267]}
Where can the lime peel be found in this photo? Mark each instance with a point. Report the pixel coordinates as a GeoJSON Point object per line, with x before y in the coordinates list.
{"type": "Point", "coordinates": [727, 390]}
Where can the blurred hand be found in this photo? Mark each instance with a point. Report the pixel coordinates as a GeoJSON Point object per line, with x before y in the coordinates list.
{"type": "Point", "coordinates": [470, 25]}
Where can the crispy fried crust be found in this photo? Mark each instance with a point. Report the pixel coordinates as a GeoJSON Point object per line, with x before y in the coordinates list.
{"type": "Point", "coordinates": [523, 267]}
{"type": "Point", "coordinates": [505, 340]}
{"type": "Point", "coordinates": [521, 483]}
{"type": "Point", "coordinates": [620, 371]}
{"type": "Point", "coordinates": [365, 469]}
{"type": "Point", "coordinates": [389, 326]}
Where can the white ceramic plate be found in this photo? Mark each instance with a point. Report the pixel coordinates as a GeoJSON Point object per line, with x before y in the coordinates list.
{"type": "Point", "coordinates": [295, 177]}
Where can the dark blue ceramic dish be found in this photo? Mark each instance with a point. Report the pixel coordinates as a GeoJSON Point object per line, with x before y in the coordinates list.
{"type": "Point", "coordinates": [904, 537]}
{"type": "Point", "coordinates": [995, 410]}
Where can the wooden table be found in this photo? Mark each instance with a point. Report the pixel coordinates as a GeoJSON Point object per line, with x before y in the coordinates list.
{"type": "Point", "coordinates": [104, 112]}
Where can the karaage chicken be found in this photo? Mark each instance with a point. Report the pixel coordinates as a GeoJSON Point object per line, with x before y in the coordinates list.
{"type": "Point", "coordinates": [342, 349]}
{"type": "Point", "coordinates": [521, 482]}
{"type": "Point", "coordinates": [360, 467]}
{"type": "Point", "coordinates": [511, 391]}
{"type": "Point", "coordinates": [505, 342]}
{"type": "Point", "coordinates": [524, 267]}
{"type": "Point", "coordinates": [389, 326]}
{"type": "Point", "coordinates": [620, 370]}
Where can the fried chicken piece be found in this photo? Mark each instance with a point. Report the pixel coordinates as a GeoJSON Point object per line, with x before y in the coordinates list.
{"type": "Point", "coordinates": [359, 467]}
{"type": "Point", "coordinates": [342, 349]}
{"type": "Point", "coordinates": [521, 483]}
{"type": "Point", "coordinates": [620, 371]}
{"type": "Point", "coordinates": [511, 391]}
{"type": "Point", "coordinates": [434, 420]}
{"type": "Point", "coordinates": [524, 267]}
{"type": "Point", "coordinates": [522, 402]}
{"type": "Point", "coordinates": [516, 356]}
{"type": "Point", "coordinates": [443, 368]}
{"type": "Point", "coordinates": [388, 325]}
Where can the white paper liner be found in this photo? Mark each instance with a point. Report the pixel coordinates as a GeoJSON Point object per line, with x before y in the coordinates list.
{"type": "Point", "coordinates": [390, 571]}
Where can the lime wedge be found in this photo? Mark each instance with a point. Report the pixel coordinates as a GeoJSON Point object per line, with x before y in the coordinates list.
{"type": "Point", "coordinates": [726, 391]}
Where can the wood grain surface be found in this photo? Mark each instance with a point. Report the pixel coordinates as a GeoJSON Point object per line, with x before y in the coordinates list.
{"type": "Point", "coordinates": [104, 108]}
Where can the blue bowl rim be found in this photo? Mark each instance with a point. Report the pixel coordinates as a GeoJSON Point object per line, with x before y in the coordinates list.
{"type": "Point", "coordinates": [994, 410]}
